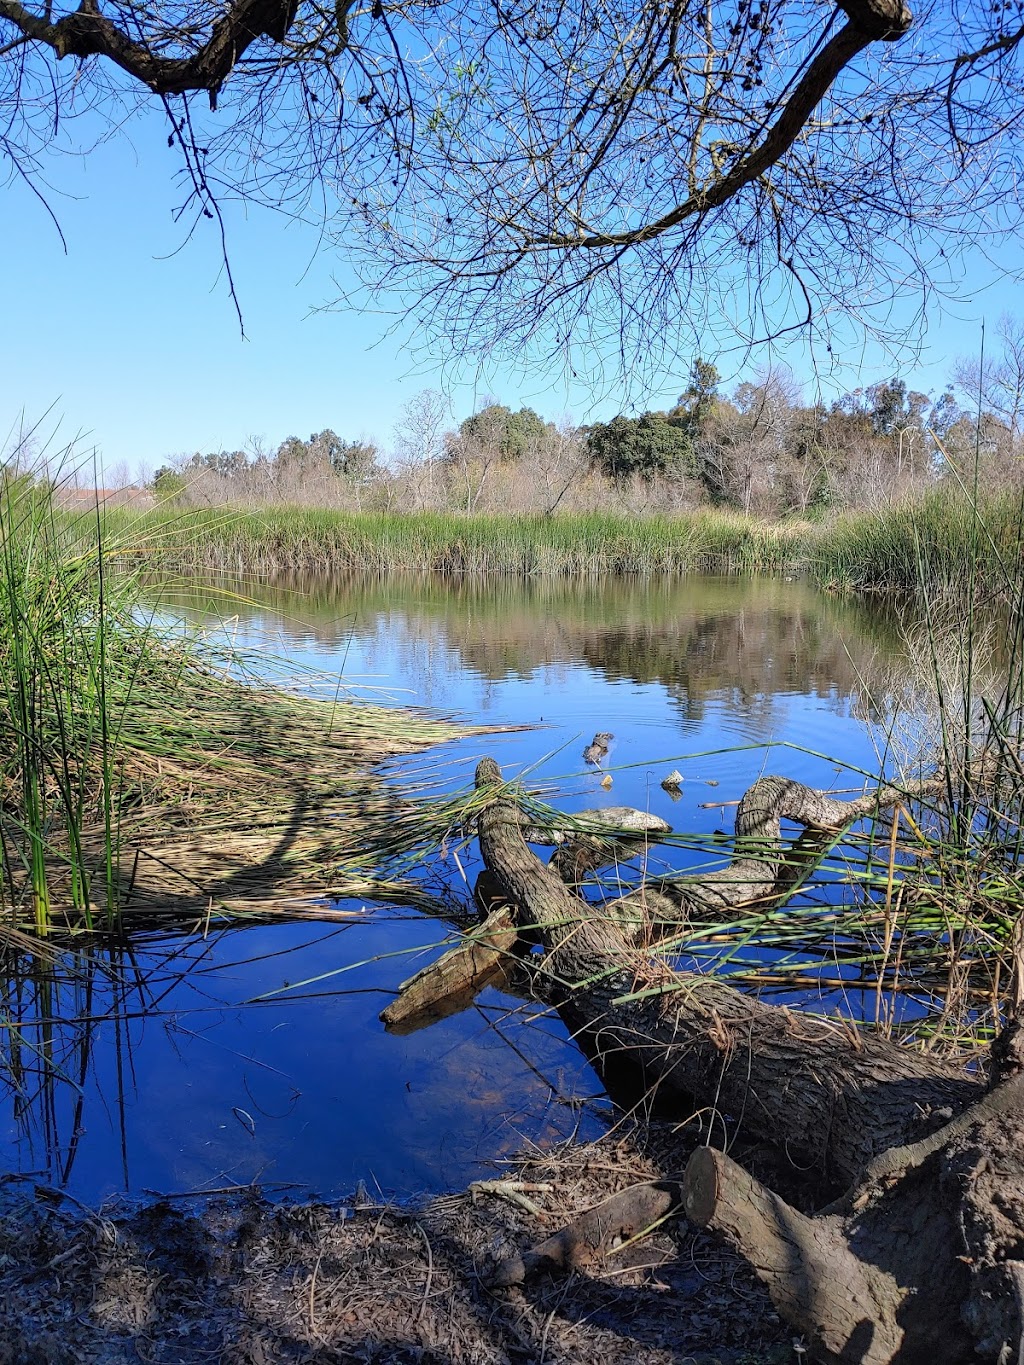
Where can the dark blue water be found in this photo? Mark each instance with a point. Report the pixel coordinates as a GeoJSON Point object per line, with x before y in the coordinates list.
{"type": "Point", "coordinates": [164, 1066]}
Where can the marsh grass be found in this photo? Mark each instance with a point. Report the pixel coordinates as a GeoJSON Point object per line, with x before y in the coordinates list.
{"type": "Point", "coordinates": [948, 543]}
{"type": "Point", "coordinates": [912, 921]}
{"type": "Point", "coordinates": [300, 540]}
{"type": "Point", "coordinates": [931, 543]}
{"type": "Point", "coordinates": [148, 774]}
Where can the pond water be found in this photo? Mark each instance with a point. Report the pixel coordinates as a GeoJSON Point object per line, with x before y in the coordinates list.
{"type": "Point", "coordinates": [160, 1068]}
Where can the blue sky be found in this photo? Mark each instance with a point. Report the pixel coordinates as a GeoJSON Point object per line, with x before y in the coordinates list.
{"type": "Point", "coordinates": [129, 341]}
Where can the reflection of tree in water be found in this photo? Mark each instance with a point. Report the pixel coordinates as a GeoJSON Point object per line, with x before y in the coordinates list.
{"type": "Point", "coordinates": [742, 658]}
{"type": "Point", "coordinates": [738, 640]}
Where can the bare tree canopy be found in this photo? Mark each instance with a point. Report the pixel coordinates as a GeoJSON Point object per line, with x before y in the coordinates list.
{"type": "Point", "coordinates": [605, 170]}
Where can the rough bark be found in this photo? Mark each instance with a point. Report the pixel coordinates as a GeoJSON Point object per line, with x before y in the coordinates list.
{"type": "Point", "coordinates": [85, 32]}
{"type": "Point", "coordinates": [829, 1095]}
{"type": "Point", "coordinates": [923, 1258]}
{"type": "Point", "coordinates": [885, 1287]}
{"type": "Point", "coordinates": [594, 1233]}
{"type": "Point", "coordinates": [452, 982]}
{"type": "Point", "coordinates": [446, 986]}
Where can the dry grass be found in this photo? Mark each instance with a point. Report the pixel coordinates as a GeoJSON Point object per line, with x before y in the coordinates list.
{"type": "Point", "coordinates": [240, 1280]}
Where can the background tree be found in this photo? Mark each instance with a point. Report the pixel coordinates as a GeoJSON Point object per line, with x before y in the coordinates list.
{"type": "Point", "coordinates": [746, 444]}
{"type": "Point", "coordinates": [511, 433]}
{"type": "Point", "coordinates": [982, 416]}
{"type": "Point", "coordinates": [419, 443]}
{"type": "Point", "coordinates": [643, 446]}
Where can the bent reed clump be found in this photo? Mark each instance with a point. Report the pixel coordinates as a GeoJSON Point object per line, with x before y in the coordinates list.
{"type": "Point", "coordinates": [148, 775]}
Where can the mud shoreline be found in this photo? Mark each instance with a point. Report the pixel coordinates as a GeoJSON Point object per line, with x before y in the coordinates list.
{"type": "Point", "coordinates": [244, 1281]}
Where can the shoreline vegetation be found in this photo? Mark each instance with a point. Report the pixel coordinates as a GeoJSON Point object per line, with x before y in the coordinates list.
{"type": "Point", "coordinates": [941, 543]}
{"type": "Point", "coordinates": [150, 777]}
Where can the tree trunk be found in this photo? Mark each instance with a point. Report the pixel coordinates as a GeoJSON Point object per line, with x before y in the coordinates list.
{"type": "Point", "coordinates": [924, 1257]}
{"type": "Point", "coordinates": [833, 1096]}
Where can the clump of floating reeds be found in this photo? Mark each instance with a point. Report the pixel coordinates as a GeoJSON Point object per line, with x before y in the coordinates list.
{"type": "Point", "coordinates": [142, 770]}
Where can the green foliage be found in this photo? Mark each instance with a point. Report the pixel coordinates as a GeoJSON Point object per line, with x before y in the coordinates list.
{"type": "Point", "coordinates": [701, 392]}
{"type": "Point", "coordinates": [353, 460]}
{"type": "Point", "coordinates": [168, 484]}
{"type": "Point", "coordinates": [658, 443]}
{"type": "Point", "coordinates": [646, 446]}
{"type": "Point", "coordinates": [698, 401]}
{"type": "Point", "coordinates": [512, 433]}
{"type": "Point", "coordinates": [226, 464]}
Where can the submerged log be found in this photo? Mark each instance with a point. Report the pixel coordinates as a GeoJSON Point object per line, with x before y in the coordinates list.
{"type": "Point", "coordinates": [924, 1257]}
{"type": "Point", "coordinates": [451, 982]}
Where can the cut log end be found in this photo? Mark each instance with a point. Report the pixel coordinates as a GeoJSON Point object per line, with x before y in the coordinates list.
{"type": "Point", "coordinates": [700, 1187]}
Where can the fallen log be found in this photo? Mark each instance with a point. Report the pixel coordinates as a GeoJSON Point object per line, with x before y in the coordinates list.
{"type": "Point", "coordinates": [922, 1260]}
{"type": "Point", "coordinates": [924, 1257]}
{"type": "Point", "coordinates": [452, 982]}
{"type": "Point", "coordinates": [832, 1096]}
{"type": "Point", "coordinates": [593, 1234]}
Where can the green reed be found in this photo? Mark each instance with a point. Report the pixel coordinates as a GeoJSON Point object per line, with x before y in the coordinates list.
{"type": "Point", "coordinates": [58, 770]}
{"type": "Point", "coordinates": [295, 539]}
{"type": "Point", "coordinates": [884, 552]}
{"type": "Point", "coordinates": [946, 543]}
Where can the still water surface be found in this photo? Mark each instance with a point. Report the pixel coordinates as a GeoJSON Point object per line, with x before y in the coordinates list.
{"type": "Point", "coordinates": [175, 1078]}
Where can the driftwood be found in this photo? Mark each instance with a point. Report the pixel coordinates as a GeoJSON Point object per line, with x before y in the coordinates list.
{"type": "Point", "coordinates": [923, 1259]}
{"type": "Point", "coordinates": [594, 1233]}
{"type": "Point", "coordinates": [451, 983]}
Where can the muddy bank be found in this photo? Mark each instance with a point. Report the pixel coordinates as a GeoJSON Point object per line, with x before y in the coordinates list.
{"type": "Point", "coordinates": [245, 1282]}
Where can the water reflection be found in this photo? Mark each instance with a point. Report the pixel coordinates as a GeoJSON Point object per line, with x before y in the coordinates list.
{"type": "Point", "coordinates": [738, 638]}
{"type": "Point", "coordinates": [157, 1067]}
{"type": "Point", "coordinates": [177, 1065]}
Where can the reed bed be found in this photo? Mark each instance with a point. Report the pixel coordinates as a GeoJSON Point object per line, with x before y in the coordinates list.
{"type": "Point", "coordinates": [948, 543]}
{"type": "Point", "coordinates": [942, 543]}
{"type": "Point", "coordinates": [310, 541]}
{"type": "Point", "coordinates": [148, 775]}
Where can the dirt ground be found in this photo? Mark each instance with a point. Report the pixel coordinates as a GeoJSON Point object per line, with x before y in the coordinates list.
{"type": "Point", "coordinates": [243, 1281]}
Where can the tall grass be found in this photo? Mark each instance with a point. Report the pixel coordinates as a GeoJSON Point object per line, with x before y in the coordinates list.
{"type": "Point", "coordinates": [300, 539]}
{"type": "Point", "coordinates": [910, 547]}
{"type": "Point", "coordinates": [944, 544]}
{"type": "Point", "coordinates": [65, 674]}
{"type": "Point", "coordinates": [141, 765]}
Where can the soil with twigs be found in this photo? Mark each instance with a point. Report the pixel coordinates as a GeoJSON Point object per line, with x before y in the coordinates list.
{"type": "Point", "coordinates": [246, 1282]}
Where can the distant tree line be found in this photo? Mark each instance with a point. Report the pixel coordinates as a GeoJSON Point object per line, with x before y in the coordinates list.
{"type": "Point", "coordinates": [759, 449]}
{"type": "Point", "coordinates": [298, 471]}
